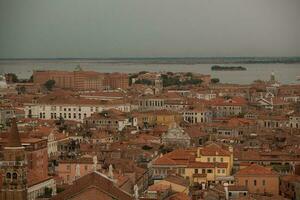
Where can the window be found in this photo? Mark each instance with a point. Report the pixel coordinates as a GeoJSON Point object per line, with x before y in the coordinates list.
{"type": "Point", "coordinates": [209, 171]}
{"type": "Point", "coordinates": [214, 159]}
{"type": "Point", "coordinates": [208, 159]}
{"type": "Point", "coordinates": [8, 175]}
{"type": "Point", "coordinates": [254, 182]}
{"type": "Point", "coordinates": [203, 171]}
{"type": "Point", "coordinates": [263, 182]}
{"type": "Point", "coordinates": [15, 175]}
{"type": "Point", "coordinates": [68, 167]}
{"type": "Point", "coordinates": [85, 167]}
{"type": "Point", "coordinates": [246, 182]}
{"type": "Point", "coordinates": [222, 160]}
{"type": "Point", "coordinates": [196, 171]}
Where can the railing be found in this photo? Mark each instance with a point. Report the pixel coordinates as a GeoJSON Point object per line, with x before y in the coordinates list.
{"type": "Point", "coordinates": [13, 163]}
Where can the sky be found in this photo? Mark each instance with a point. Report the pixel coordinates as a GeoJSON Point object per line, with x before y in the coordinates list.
{"type": "Point", "coordinates": [148, 28]}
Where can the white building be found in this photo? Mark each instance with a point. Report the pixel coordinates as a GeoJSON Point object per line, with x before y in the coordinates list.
{"type": "Point", "coordinates": [197, 115]}
{"type": "Point", "coordinates": [70, 108]}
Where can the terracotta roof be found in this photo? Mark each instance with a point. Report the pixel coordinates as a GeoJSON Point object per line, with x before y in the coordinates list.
{"type": "Point", "coordinates": [214, 149]}
{"type": "Point", "coordinates": [176, 157]}
{"type": "Point", "coordinates": [177, 180]}
{"type": "Point", "coordinates": [179, 196]}
{"type": "Point", "coordinates": [96, 180]}
{"type": "Point", "coordinates": [254, 170]}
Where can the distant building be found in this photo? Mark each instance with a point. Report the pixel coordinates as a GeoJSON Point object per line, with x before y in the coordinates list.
{"type": "Point", "coordinates": [258, 180]}
{"type": "Point", "coordinates": [82, 80]}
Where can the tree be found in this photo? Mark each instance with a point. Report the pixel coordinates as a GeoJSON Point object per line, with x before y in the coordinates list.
{"type": "Point", "coordinates": [30, 80]}
{"type": "Point", "coordinates": [49, 84]}
{"type": "Point", "coordinates": [14, 77]}
{"type": "Point", "coordinates": [48, 192]}
{"type": "Point", "coordinates": [144, 82]}
{"type": "Point", "coordinates": [215, 80]}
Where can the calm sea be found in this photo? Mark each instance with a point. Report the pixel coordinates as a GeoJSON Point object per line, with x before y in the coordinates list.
{"type": "Point", "coordinates": [285, 73]}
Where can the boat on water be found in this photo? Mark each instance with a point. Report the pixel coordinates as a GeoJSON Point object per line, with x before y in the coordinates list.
{"type": "Point", "coordinates": [228, 68]}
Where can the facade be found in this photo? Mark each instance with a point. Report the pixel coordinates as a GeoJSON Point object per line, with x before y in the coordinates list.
{"type": "Point", "coordinates": [71, 170]}
{"type": "Point", "coordinates": [96, 186]}
{"type": "Point", "coordinates": [13, 168]}
{"type": "Point", "coordinates": [228, 107]}
{"type": "Point", "coordinates": [82, 80]}
{"type": "Point", "coordinates": [176, 137]}
{"type": "Point", "coordinates": [197, 115]}
{"type": "Point", "coordinates": [294, 121]}
{"type": "Point", "coordinates": [110, 119]}
{"type": "Point", "coordinates": [6, 112]}
{"type": "Point", "coordinates": [202, 165]}
{"type": "Point", "coordinates": [258, 180]}
{"type": "Point", "coordinates": [56, 106]}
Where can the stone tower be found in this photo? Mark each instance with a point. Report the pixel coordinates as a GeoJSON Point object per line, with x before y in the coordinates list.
{"type": "Point", "coordinates": [14, 167]}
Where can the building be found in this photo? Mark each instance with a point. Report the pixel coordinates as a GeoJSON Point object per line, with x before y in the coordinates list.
{"type": "Point", "coordinates": [157, 117]}
{"type": "Point", "coordinates": [14, 167]}
{"type": "Point", "coordinates": [201, 165]}
{"type": "Point", "coordinates": [294, 121]}
{"type": "Point", "coordinates": [210, 163]}
{"type": "Point", "coordinates": [96, 186]}
{"type": "Point", "coordinates": [258, 180]}
{"type": "Point", "coordinates": [69, 107]}
{"type": "Point", "coordinates": [70, 170]}
{"type": "Point", "coordinates": [290, 186]}
{"type": "Point", "coordinates": [176, 137]}
{"type": "Point", "coordinates": [228, 107]}
{"type": "Point", "coordinates": [197, 115]}
{"type": "Point", "coordinates": [111, 119]}
{"type": "Point", "coordinates": [82, 80]}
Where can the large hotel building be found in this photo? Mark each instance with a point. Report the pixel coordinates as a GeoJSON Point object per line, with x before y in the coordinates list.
{"type": "Point", "coordinates": [82, 80]}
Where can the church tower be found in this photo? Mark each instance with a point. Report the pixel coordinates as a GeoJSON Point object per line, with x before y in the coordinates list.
{"type": "Point", "coordinates": [14, 167]}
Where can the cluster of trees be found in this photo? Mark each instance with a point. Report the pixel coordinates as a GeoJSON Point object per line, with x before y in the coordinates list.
{"type": "Point", "coordinates": [144, 81]}
{"type": "Point", "coordinates": [174, 80]}
{"type": "Point", "coordinates": [214, 80]}
{"type": "Point", "coordinates": [49, 84]}
{"type": "Point", "coordinates": [15, 78]}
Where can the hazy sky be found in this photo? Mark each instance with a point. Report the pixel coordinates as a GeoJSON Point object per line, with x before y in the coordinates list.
{"type": "Point", "coordinates": [148, 28]}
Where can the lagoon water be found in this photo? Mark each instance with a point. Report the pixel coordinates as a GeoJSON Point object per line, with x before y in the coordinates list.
{"type": "Point", "coordinates": [285, 73]}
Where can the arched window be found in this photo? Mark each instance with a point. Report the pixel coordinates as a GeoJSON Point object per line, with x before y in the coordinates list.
{"type": "Point", "coordinates": [15, 175]}
{"type": "Point", "coordinates": [8, 175]}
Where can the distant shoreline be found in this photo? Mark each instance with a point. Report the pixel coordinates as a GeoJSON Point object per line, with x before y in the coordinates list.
{"type": "Point", "coordinates": [167, 60]}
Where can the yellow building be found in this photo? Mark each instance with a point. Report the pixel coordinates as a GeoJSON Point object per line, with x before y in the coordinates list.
{"type": "Point", "coordinates": [198, 165]}
{"type": "Point", "coordinates": [211, 161]}
{"type": "Point", "coordinates": [158, 117]}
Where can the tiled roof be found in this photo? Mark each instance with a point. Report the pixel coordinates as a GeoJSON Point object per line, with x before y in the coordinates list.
{"type": "Point", "coordinates": [214, 149]}
{"type": "Point", "coordinates": [254, 170]}
{"type": "Point", "coordinates": [176, 157]}
{"type": "Point", "coordinates": [96, 180]}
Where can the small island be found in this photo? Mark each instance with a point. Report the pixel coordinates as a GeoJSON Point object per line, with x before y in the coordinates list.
{"type": "Point", "coordinates": [227, 68]}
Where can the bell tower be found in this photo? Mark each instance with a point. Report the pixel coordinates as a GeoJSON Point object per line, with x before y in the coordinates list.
{"type": "Point", "coordinates": [14, 167]}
